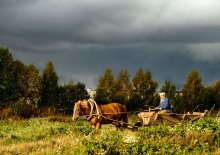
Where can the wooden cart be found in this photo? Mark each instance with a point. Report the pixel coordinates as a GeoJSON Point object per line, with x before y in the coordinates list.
{"type": "Point", "coordinates": [162, 117]}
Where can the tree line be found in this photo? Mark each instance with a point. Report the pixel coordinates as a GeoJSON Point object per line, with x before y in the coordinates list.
{"type": "Point", "coordinates": [141, 92]}
{"type": "Point", "coordinates": [23, 83]}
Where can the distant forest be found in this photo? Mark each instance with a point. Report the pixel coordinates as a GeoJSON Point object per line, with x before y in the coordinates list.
{"type": "Point", "coordinates": [22, 84]}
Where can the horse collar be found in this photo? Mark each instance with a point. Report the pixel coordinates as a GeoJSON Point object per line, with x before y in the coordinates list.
{"type": "Point", "coordinates": [94, 108]}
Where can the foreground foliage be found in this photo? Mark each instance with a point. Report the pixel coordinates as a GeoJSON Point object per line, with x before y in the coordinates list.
{"type": "Point", "coordinates": [59, 135]}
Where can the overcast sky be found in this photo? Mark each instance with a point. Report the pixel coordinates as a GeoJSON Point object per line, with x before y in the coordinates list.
{"type": "Point", "coordinates": [84, 37]}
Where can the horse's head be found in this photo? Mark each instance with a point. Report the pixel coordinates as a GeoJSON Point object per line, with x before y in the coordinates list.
{"type": "Point", "coordinates": [81, 107]}
{"type": "Point", "coordinates": [77, 110]}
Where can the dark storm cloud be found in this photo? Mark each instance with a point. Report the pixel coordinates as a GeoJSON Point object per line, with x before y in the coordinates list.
{"type": "Point", "coordinates": [113, 22]}
{"type": "Point", "coordinates": [82, 38]}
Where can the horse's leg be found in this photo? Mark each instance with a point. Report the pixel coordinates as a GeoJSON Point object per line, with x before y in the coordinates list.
{"type": "Point", "coordinates": [96, 122]}
{"type": "Point", "coordinates": [115, 121]}
{"type": "Point", "coordinates": [118, 120]}
{"type": "Point", "coordinates": [98, 125]}
{"type": "Point", "coordinates": [122, 121]}
{"type": "Point", "coordinates": [125, 120]}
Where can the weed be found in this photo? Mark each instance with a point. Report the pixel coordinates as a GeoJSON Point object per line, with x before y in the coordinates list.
{"type": "Point", "coordinates": [57, 136]}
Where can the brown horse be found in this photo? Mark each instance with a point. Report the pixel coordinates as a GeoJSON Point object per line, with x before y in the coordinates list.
{"type": "Point", "coordinates": [96, 114]}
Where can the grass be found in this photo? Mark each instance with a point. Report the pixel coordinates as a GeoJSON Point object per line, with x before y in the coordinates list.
{"type": "Point", "coordinates": [59, 135]}
{"type": "Point", "coordinates": [52, 135]}
{"type": "Point", "coordinates": [33, 135]}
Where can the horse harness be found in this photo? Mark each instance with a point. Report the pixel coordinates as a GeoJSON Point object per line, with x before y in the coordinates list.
{"type": "Point", "coordinates": [94, 109]}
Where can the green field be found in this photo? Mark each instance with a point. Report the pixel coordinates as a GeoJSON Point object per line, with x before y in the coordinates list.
{"type": "Point", "coordinates": [59, 135]}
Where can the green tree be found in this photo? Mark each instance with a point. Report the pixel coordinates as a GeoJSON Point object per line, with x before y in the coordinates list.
{"type": "Point", "coordinates": [105, 88]}
{"type": "Point", "coordinates": [215, 95]}
{"type": "Point", "coordinates": [176, 105]}
{"type": "Point", "coordinates": [81, 92]}
{"type": "Point", "coordinates": [169, 88]}
{"type": "Point", "coordinates": [19, 71]}
{"type": "Point", "coordinates": [7, 79]}
{"type": "Point", "coordinates": [211, 97]}
{"type": "Point", "coordinates": [71, 93]}
{"type": "Point", "coordinates": [50, 86]}
{"type": "Point", "coordinates": [123, 87]}
{"type": "Point", "coordinates": [30, 86]}
{"type": "Point", "coordinates": [192, 92]}
{"type": "Point", "coordinates": [144, 89]}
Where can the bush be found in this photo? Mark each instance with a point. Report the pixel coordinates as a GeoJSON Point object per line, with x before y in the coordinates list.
{"type": "Point", "coordinates": [22, 110]}
{"type": "Point", "coordinates": [6, 113]}
{"type": "Point", "coordinates": [48, 111]}
{"type": "Point", "coordinates": [109, 144]}
{"type": "Point", "coordinates": [208, 123]}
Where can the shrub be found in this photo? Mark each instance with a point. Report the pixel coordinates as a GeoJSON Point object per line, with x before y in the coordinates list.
{"type": "Point", "coordinates": [111, 143]}
{"type": "Point", "coordinates": [6, 113]}
{"type": "Point", "coordinates": [83, 128]}
{"type": "Point", "coordinates": [208, 123]}
{"type": "Point", "coordinates": [48, 111]}
{"type": "Point", "coordinates": [22, 110]}
{"type": "Point", "coordinates": [60, 118]}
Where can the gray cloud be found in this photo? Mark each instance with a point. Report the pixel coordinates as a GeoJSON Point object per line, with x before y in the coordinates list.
{"type": "Point", "coordinates": [113, 22]}
{"type": "Point", "coordinates": [82, 38]}
{"type": "Point", "coordinates": [209, 52]}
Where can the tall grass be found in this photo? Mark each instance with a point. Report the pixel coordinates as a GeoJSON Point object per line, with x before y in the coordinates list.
{"type": "Point", "coordinates": [59, 135]}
